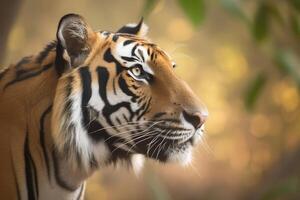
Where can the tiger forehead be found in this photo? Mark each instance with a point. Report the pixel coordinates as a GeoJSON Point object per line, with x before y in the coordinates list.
{"type": "Point", "coordinates": [129, 38]}
{"type": "Point", "coordinates": [133, 42]}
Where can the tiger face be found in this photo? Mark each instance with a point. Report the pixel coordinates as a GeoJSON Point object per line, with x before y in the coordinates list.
{"type": "Point", "coordinates": [118, 96]}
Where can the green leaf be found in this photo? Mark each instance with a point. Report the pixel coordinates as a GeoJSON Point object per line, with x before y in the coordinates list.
{"type": "Point", "coordinates": [235, 9]}
{"type": "Point", "coordinates": [261, 22]}
{"type": "Point", "coordinates": [148, 7]}
{"type": "Point", "coordinates": [194, 10]}
{"type": "Point", "coordinates": [288, 64]}
{"type": "Point", "coordinates": [254, 90]}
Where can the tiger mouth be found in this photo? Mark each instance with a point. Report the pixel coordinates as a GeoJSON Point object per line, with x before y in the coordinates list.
{"type": "Point", "coordinates": [161, 146]}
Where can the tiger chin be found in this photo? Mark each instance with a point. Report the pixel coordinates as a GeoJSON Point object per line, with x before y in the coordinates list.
{"type": "Point", "coordinates": [90, 99]}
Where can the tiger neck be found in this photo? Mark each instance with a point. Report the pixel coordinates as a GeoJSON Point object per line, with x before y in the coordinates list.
{"type": "Point", "coordinates": [67, 176]}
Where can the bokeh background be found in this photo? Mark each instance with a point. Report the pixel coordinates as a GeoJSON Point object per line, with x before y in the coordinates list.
{"type": "Point", "coordinates": [241, 57]}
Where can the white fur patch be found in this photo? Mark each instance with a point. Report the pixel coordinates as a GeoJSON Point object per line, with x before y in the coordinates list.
{"type": "Point", "coordinates": [144, 30]}
{"type": "Point", "coordinates": [184, 157]}
{"type": "Point", "coordinates": [81, 139]}
{"type": "Point", "coordinates": [137, 162]}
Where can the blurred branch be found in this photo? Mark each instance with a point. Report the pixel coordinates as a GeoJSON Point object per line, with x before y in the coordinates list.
{"type": "Point", "coordinates": [8, 13]}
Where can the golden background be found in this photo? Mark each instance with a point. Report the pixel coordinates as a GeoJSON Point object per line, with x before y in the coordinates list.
{"type": "Point", "coordinates": [249, 153]}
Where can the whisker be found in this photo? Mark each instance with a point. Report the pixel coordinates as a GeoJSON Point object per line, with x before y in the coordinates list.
{"type": "Point", "coordinates": [133, 131]}
{"type": "Point", "coordinates": [154, 142]}
{"type": "Point", "coordinates": [160, 144]}
{"type": "Point", "coordinates": [153, 132]}
{"type": "Point", "coordinates": [128, 142]}
{"type": "Point", "coordinates": [206, 146]}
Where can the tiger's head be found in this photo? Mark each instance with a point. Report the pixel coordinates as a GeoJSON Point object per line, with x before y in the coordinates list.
{"type": "Point", "coordinates": [118, 97]}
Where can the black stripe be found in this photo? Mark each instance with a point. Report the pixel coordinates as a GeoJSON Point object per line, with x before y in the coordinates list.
{"type": "Point", "coordinates": [108, 109]}
{"type": "Point", "coordinates": [125, 89]}
{"type": "Point", "coordinates": [30, 170]}
{"type": "Point", "coordinates": [141, 109]}
{"type": "Point", "coordinates": [18, 67]}
{"type": "Point", "coordinates": [60, 63]}
{"type": "Point", "coordinates": [125, 117]}
{"type": "Point", "coordinates": [131, 30]}
{"type": "Point", "coordinates": [108, 57]}
{"type": "Point", "coordinates": [43, 54]}
{"type": "Point", "coordinates": [42, 139]}
{"type": "Point", "coordinates": [118, 120]}
{"type": "Point", "coordinates": [140, 99]}
{"type": "Point", "coordinates": [127, 42]}
{"type": "Point", "coordinates": [102, 82]}
{"type": "Point", "coordinates": [28, 75]}
{"type": "Point", "coordinates": [86, 81]}
{"type": "Point", "coordinates": [23, 61]}
{"type": "Point", "coordinates": [133, 50]}
{"type": "Point", "coordinates": [146, 109]}
{"type": "Point", "coordinates": [114, 86]}
{"type": "Point", "coordinates": [141, 54]}
{"type": "Point", "coordinates": [115, 38]}
{"type": "Point", "coordinates": [129, 59]}
{"type": "Point", "coordinates": [152, 56]}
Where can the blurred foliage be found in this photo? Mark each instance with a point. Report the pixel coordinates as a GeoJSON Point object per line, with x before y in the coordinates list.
{"type": "Point", "coordinates": [254, 90]}
{"type": "Point", "coordinates": [289, 64]}
{"type": "Point", "coordinates": [148, 7]}
{"type": "Point", "coordinates": [259, 23]}
{"type": "Point", "coordinates": [283, 190]}
{"type": "Point", "coordinates": [235, 9]}
{"type": "Point", "coordinates": [194, 10]}
{"type": "Point", "coordinates": [227, 65]}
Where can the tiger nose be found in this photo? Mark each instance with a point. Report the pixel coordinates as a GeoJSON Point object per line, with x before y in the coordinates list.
{"type": "Point", "coordinates": [197, 119]}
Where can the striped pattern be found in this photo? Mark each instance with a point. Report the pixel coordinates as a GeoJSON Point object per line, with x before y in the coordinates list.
{"type": "Point", "coordinates": [89, 106]}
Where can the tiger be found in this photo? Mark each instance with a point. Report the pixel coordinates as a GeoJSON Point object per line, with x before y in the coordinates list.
{"type": "Point", "coordinates": [92, 99]}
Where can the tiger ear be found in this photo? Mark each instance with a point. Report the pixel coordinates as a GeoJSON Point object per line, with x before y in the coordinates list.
{"type": "Point", "coordinates": [140, 29]}
{"type": "Point", "coordinates": [75, 36]}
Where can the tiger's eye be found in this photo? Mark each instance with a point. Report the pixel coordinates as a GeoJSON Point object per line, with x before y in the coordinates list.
{"type": "Point", "coordinates": [136, 71]}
